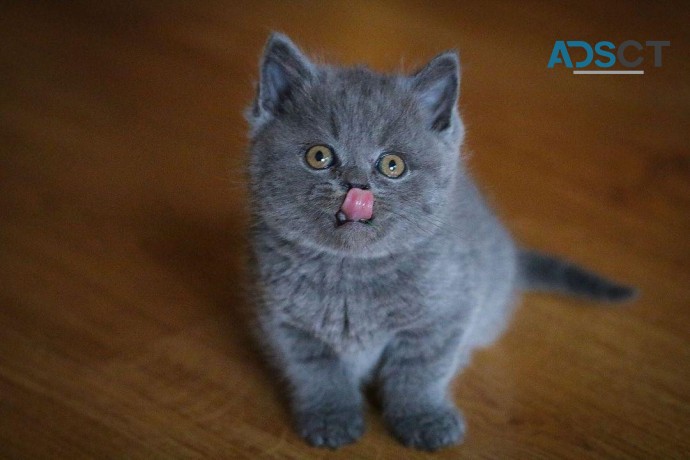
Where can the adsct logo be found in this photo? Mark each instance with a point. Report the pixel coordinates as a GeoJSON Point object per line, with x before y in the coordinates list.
{"type": "Point", "coordinates": [608, 54]}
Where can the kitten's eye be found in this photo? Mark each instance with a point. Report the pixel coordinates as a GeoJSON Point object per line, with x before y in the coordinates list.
{"type": "Point", "coordinates": [391, 166]}
{"type": "Point", "coordinates": [320, 157]}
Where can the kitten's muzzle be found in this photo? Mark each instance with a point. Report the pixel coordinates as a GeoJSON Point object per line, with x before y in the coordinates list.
{"type": "Point", "coordinates": [358, 206]}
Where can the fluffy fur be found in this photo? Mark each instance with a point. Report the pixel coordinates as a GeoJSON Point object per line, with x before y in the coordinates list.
{"type": "Point", "coordinates": [400, 302]}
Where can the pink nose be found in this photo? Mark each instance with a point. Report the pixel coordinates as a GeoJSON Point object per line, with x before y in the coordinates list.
{"type": "Point", "coordinates": [358, 204]}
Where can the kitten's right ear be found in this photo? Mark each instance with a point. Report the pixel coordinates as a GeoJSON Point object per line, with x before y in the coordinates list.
{"type": "Point", "coordinates": [284, 69]}
{"type": "Point", "coordinates": [437, 87]}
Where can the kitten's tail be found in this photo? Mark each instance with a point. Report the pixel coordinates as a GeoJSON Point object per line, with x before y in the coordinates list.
{"type": "Point", "coordinates": [542, 272]}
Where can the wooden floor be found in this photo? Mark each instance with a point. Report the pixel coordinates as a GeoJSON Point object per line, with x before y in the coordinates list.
{"type": "Point", "coordinates": [123, 219]}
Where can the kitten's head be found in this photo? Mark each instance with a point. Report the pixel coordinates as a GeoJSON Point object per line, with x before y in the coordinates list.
{"type": "Point", "coordinates": [328, 142]}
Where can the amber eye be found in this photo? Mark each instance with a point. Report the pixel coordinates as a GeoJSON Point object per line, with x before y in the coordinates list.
{"type": "Point", "coordinates": [391, 165]}
{"type": "Point", "coordinates": [320, 157]}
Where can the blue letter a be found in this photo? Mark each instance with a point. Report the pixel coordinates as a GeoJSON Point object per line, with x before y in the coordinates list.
{"type": "Point", "coordinates": [560, 48]}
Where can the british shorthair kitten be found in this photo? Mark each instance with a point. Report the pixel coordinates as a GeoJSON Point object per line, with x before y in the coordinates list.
{"type": "Point", "coordinates": [376, 259]}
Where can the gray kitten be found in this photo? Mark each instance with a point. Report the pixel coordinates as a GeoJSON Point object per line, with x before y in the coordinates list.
{"type": "Point", "coordinates": [377, 261]}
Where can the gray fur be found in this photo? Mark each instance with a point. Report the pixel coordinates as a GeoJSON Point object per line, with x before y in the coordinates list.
{"type": "Point", "coordinates": [399, 303]}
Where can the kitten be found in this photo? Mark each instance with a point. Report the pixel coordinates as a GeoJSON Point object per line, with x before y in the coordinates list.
{"type": "Point", "coordinates": [376, 259]}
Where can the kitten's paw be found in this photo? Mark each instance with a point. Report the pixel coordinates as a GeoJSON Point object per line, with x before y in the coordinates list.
{"type": "Point", "coordinates": [430, 430]}
{"type": "Point", "coordinates": [331, 429]}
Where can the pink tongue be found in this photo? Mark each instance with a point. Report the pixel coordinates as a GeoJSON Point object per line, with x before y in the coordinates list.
{"type": "Point", "coordinates": [358, 204]}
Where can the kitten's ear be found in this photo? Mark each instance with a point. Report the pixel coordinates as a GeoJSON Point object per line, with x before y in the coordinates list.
{"type": "Point", "coordinates": [283, 70]}
{"type": "Point", "coordinates": [437, 87]}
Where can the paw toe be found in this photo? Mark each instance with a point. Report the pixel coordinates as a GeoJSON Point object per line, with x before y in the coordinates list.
{"type": "Point", "coordinates": [331, 430]}
{"type": "Point", "coordinates": [429, 431]}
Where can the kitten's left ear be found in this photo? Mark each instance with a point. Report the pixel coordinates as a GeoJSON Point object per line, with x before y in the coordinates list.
{"type": "Point", "coordinates": [284, 69]}
{"type": "Point", "coordinates": [437, 88]}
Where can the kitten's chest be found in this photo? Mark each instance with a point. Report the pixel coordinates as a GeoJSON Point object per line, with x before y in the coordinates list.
{"type": "Point", "coordinates": [348, 304]}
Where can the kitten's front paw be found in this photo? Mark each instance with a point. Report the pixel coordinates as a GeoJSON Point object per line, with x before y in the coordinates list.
{"type": "Point", "coordinates": [331, 429]}
{"type": "Point", "coordinates": [430, 430]}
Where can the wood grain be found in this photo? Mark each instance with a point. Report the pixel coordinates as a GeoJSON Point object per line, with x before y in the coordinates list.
{"type": "Point", "coordinates": [123, 222]}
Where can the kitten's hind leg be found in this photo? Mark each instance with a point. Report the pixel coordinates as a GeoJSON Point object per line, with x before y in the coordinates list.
{"type": "Point", "coordinates": [415, 372]}
{"type": "Point", "coordinates": [325, 397]}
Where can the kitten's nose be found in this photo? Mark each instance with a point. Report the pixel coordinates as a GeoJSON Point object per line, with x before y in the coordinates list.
{"type": "Point", "coordinates": [355, 178]}
{"type": "Point", "coordinates": [359, 186]}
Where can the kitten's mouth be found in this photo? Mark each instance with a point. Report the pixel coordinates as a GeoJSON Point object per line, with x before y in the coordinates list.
{"type": "Point", "coordinates": [342, 219]}
{"type": "Point", "coordinates": [358, 206]}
